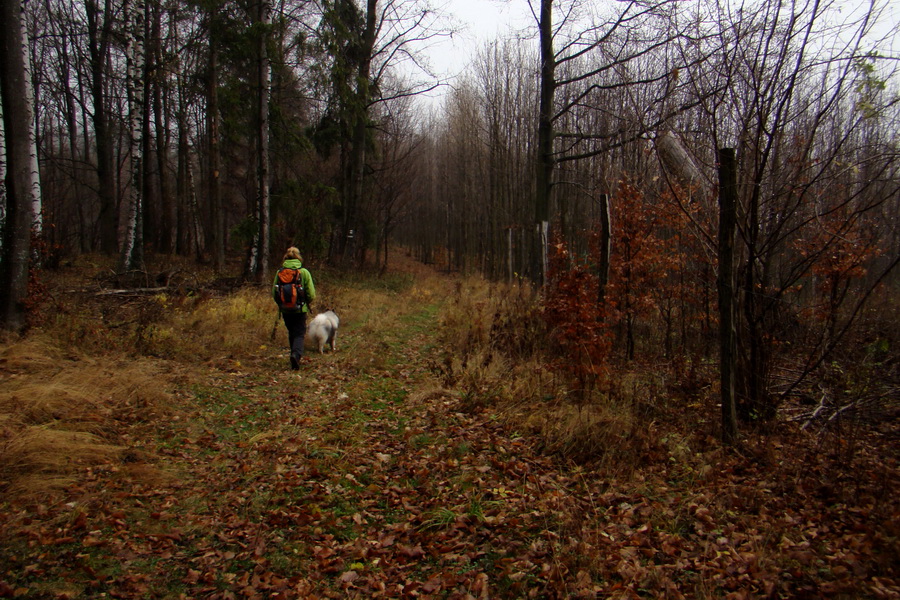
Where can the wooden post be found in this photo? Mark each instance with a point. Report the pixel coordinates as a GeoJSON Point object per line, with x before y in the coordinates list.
{"type": "Point", "coordinates": [509, 254]}
{"type": "Point", "coordinates": [603, 267]}
{"type": "Point", "coordinates": [727, 226]}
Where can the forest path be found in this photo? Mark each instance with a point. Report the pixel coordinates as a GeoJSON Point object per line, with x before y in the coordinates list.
{"type": "Point", "coordinates": [356, 477]}
{"type": "Point", "coordinates": [361, 476]}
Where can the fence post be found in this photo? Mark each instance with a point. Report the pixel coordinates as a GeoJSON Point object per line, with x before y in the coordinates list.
{"type": "Point", "coordinates": [725, 284]}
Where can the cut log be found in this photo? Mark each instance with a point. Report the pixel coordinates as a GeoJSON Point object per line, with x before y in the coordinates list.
{"type": "Point", "coordinates": [677, 161]}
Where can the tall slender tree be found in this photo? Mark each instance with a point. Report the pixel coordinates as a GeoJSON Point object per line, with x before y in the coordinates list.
{"type": "Point", "coordinates": [217, 211]}
{"type": "Point", "coordinates": [132, 251]}
{"type": "Point", "coordinates": [545, 158]}
{"type": "Point", "coordinates": [259, 251]}
{"type": "Point", "coordinates": [100, 33]}
{"type": "Point", "coordinates": [23, 190]}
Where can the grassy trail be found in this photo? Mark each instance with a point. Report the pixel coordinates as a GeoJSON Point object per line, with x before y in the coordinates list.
{"type": "Point", "coordinates": [363, 477]}
{"type": "Point", "coordinates": [357, 477]}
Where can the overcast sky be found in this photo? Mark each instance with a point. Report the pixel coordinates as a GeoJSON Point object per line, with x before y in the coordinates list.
{"type": "Point", "coordinates": [477, 21]}
{"type": "Point", "coordinates": [482, 20]}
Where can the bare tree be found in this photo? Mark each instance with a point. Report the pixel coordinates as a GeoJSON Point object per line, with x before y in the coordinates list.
{"type": "Point", "coordinates": [590, 65]}
{"type": "Point", "coordinates": [364, 46]}
{"type": "Point", "coordinates": [793, 111]}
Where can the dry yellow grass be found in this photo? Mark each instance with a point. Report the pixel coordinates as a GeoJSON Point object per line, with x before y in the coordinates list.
{"type": "Point", "coordinates": [40, 458]}
{"type": "Point", "coordinates": [96, 366]}
{"type": "Point", "coordinates": [68, 389]}
{"type": "Point", "coordinates": [30, 354]}
{"type": "Point", "coordinates": [61, 414]}
{"type": "Point", "coordinates": [498, 353]}
{"type": "Point", "coordinates": [203, 329]}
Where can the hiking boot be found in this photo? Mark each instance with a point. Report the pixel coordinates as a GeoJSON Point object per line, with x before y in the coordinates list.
{"type": "Point", "coordinates": [295, 363]}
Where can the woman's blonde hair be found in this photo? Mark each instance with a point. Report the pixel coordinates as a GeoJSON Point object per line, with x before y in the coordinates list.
{"type": "Point", "coordinates": [293, 252]}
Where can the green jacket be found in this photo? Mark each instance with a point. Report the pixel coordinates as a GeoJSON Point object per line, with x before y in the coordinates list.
{"type": "Point", "coordinates": [305, 279]}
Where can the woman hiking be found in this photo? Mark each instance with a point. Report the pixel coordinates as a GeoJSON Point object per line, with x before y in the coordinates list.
{"type": "Point", "coordinates": [294, 290]}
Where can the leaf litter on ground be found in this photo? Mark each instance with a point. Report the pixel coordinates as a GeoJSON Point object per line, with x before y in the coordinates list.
{"type": "Point", "coordinates": [363, 477]}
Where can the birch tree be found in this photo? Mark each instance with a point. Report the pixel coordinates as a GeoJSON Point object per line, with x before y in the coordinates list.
{"type": "Point", "coordinates": [132, 252]}
{"type": "Point", "coordinates": [23, 190]}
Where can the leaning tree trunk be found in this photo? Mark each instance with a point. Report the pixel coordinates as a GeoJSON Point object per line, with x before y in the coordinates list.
{"type": "Point", "coordinates": [678, 162]}
{"type": "Point", "coordinates": [23, 190]}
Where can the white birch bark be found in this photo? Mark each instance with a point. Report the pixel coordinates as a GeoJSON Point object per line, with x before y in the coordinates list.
{"type": "Point", "coordinates": [134, 11]}
{"type": "Point", "coordinates": [24, 192]}
{"type": "Point", "coordinates": [34, 172]}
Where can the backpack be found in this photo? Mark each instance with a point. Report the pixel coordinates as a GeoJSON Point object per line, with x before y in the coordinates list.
{"type": "Point", "coordinates": [289, 292]}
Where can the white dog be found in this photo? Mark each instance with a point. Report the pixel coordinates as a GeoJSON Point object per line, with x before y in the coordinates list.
{"type": "Point", "coordinates": [322, 330]}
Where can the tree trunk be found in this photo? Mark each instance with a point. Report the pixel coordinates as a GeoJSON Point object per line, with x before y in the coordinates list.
{"type": "Point", "coordinates": [545, 160]}
{"type": "Point", "coordinates": [259, 257]}
{"type": "Point", "coordinates": [132, 255]}
{"type": "Point", "coordinates": [23, 192]}
{"type": "Point", "coordinates": [727, 227]}
{"type": "Point", "coordinates": [603, 263]}
{"type": "Point", "coordinates": [168, 216]}
{"type": "Point", "coordinates": [360, 110]}
{"type": "Point", "coordinates": [217, 221]}
{"type": "Point", "coordinates": [195, 229]}
{"type": "Point", "coordinates": [99, 39]}
{"type": "Point", "coordinates": [185, 244]}
{"type": "Point", "coordinates": [168, 207]}
{"type": "Point", "coordinates": [184, 241]}
{"type": "Point", "coordinates": [754, 373]}
{"type": "Point", "coordinates": [75, 154]}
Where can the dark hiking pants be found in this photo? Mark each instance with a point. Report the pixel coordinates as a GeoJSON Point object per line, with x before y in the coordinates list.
{"type": "Point", "coordinates": [296, 326]}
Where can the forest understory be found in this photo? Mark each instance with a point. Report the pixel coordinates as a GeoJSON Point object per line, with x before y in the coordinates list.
{"type": "Point", "coordinates": [155, 444]}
